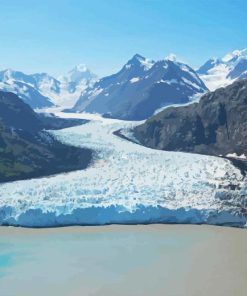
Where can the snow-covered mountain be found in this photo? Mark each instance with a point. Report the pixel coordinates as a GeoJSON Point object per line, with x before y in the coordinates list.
{"type": "Point", "coordinates": [78, 74]}
{"type": "Point", "coordinates": [74, 83]}
{"type": "Point", "coordinates": [140, 88]}
{"type": "Point", "coordinates": [220, 72]}
{"type": "Point", "coordinates": [25, 87]}
{"type": "Point", "coordinates": [41, 90]}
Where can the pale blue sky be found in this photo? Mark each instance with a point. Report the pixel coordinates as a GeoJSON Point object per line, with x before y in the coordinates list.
{"type": "Point", "coordinates": [54, 35]}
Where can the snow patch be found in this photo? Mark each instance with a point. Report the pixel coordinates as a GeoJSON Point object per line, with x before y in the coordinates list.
{"type": "Point", "coordinates": [234, 155]}
{"type": "Point", "coordinates": [171, 57]}
{"type": "Point", "coordinates": [134, 79]}
{"type": "Point", "coordinates": [147, 64]}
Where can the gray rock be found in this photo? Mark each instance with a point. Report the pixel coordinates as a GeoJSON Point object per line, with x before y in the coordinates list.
{"type": "Point", "coordinates": [217, 125]}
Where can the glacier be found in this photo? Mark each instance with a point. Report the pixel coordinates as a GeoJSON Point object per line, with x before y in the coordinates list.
{"type": "Point", "coordinates": [127, 184]}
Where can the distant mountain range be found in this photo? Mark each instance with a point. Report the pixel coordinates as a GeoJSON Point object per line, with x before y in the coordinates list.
{"type": "Point", "coordinates": [219, 72]}
{"type": "Point", "coordinates": [25, 87]}
{"type": "Point", "coordinates": [26, 151]}
{"type": "Point", "coordinates": [140, 88]}
{"type": "Point", "coordinates": [41, 90]}
{"type": "Point", "coordinates": [217, 125]}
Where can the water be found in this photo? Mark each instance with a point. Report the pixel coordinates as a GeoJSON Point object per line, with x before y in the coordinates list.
{"type": "Point", "coordinates": [123, 260]}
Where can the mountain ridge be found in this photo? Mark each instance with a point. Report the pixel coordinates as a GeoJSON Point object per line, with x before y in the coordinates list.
{"type": "Point", "coordinates": [140, 88]}
{"type": "Point", "coordinates": [220, 72]}
{"type": "Point", "coordinates": [26, 150]}
{"type": "Point", "coordinates": [42, 90]}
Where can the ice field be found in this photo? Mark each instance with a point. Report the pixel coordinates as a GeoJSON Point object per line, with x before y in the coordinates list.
{"type": "Point", "coordinates": [127, 183]}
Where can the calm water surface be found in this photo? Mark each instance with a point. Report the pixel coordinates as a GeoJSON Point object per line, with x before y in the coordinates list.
{"type": "Point", "coordinates": [124, 260]}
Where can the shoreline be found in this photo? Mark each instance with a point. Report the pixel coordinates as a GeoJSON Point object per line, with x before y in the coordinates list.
{"type": "Point", "coordinates": [117, 228]}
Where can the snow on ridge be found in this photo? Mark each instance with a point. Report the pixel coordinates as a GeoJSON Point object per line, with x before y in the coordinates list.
{"type": "Point", "coordinates": [95, 92]}
{"type": "Point", "coordinates": [124, 180]}
{"type": "Point", "coordinates": [194, 85]}
{"type": "Point", "coordinates": [145, 62]}
{"type": "Point", "coordinates": [161, 81]}
{"type": "Point", "coordinates": [171, 81]}
{"type": "Point", "coordinates": [82, 68]}
{"type": "Point", "coordinates": [171, 57]}
{"type": "Point", "coordinates": [235, 53]}
{"type": "Point", "coordinates": [63, 91]}
{"type": "Point", "coordinates": [217, 76]}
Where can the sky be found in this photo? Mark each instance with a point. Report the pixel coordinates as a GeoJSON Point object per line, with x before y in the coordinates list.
{"type": "Point", "coordinates": [55, 35]}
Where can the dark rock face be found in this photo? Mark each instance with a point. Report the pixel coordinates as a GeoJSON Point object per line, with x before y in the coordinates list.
{"type": "Point", "coordinates": [217, 125]}
{"type": "Point", "coordinates": [26, 151]}
{"type": "Point", "coordinates": [16, 114]}
{"type": "Point", "coordinates": [140, 88]}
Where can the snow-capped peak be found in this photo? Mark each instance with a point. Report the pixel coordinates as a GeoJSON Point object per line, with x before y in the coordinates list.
{"type": "Point", "coordinates": [9, 74]}
{"type": "Point", "coordinates": [223, 71]}
{"type": "Point", "coordinates": [77, 74]}
{"type": "Point", "coordinates": [8, 71]}
{"type": "Point", "coordinates": [81, 68]}
{"type": "Point", "coordinates": [137, 59]}
{"type": "Point", "coordinates": [235, 54]}
{"type": "Point", "coordinates": [62, 92]}
{"type": "Point", "coordinates": [171, 57]}
{"type": "Point", "coordinates": [6, 74]}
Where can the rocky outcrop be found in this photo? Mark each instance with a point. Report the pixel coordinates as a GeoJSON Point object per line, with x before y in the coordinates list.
{"type": "Point", "coordinates": [217, 125]}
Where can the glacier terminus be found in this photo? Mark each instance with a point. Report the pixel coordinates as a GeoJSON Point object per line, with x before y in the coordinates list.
{"type": "Point", "coordinates": [127, 184]}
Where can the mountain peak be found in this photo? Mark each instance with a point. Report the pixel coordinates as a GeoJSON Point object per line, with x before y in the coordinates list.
{"type": "Point", "coordinates": [8, 70]}
{"type": "Point", "coordinates": [81, 68]}
{"type": "Point", "coordinates": [7, 73]}
{"type": "Point", "coordinates": [220, 72]}
{"type": "Point", "coordinates": [139, 60]}
{"type": "Point", "coordinates": [140, 88]}
{"type": "Point", "coordinates": [171, 57]}
{"type": "Point", "coordinates": [235, 54]}
{"type": "Point", "coordinates": [138, 57]}
{"type": "Point", "coordinates": [77, 74]}
{"type": "Point", "coordinates": [206, 67]}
